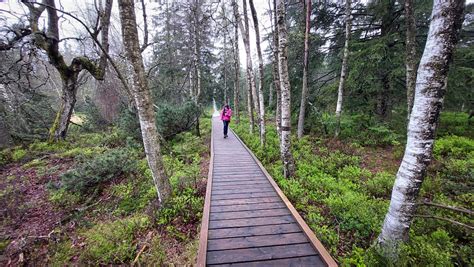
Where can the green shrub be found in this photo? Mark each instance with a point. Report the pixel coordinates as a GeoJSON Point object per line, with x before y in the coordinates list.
{"type": "Point", "coordinates": [102, 168]}
{"type": "Point", "coordinates": [61, 253]}
{"type": "Point", "coordinates": [435, 249]}
{"type": "Point", "coordinates": [63, 198]}
{"type": "Point", "coordinates": [5, 157]}
{"type": "Point", "coordinates": [453, 146]}
{"type": "Point", "coordinates": [113, 242]}
{"type": "Point", "coordinates": [380, 185]}
{"type": "Point", "coordinates": [354, 174]}
{"type": "Point", "coordinates": [185, 206]}
{"type": "Point", "coordinates": [455, 123]}
{"type": "Point", "coordinates": [50, 147]}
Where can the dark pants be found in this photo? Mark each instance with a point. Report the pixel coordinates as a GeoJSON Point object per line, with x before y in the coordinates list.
{"type": "Point", "coordinates": [226, 127]}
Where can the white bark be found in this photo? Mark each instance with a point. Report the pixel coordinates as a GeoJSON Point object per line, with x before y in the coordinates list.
{"type": "Point", "coordinates": [260, 74]}
{"type": "Point", "coordinates": [275, 70]}
{"type": "Point", "coordinates": [285, 146]}
{"type": "Point", "coordinates": [236, 62]}
{"type": "Point", "coordinates": [143, 102]}
{"type": "Point", "coordinates": [250, 77]}
{"type": "Point", "coordinates": [345, 58]}
{"type": "Point", "coordinates": [446, 20]}
{"type": "Point", "coordinates": [304, 90]}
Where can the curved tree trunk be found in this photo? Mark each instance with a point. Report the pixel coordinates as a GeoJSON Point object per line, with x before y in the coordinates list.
{"type": "Point", "coordinates": [260, 73]}
{"type": "Point", "coordinates": [446, 20]}
{"type": "Point", "coordinates": [68, 101]}
{"type": "Point", "coordinates": [143, 100]}
{"type": "Point", "coordinates": [345, 59]}
{"type": "Point", "coordinates": [410, 54]}
{"type": "Point", "coordinates": [285, 146]}
{"type": "Point", "coordinates": [304, 90]}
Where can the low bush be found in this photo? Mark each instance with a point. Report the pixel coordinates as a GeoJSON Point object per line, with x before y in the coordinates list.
{"type": "Point", "coordinates": [380, 185]}
{"type": "Point", "coordinates": [453, 146]}
{"type": "Point", "coordinates": [102, 168]}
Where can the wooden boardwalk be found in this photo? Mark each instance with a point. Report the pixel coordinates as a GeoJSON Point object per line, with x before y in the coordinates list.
{"type": "Point", "coordinates": [247, 220]}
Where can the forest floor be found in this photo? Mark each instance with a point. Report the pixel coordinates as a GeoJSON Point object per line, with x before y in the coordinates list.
{"type": "Point", "coordinates": [43, 224]}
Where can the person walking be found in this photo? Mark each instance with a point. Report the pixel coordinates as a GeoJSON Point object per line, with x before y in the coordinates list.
{"type": "Point", "coordinates": [226, 113]}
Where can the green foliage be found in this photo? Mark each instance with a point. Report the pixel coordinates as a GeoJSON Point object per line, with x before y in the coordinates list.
{"type": "Point", "coordinates": [63, 198]}
{"type": "Point", "coordinates": [62, 253]}
{"type": "Point", "coordinates": [18, 154]}
{"type": "Point", "coordinates": [155, 255]}
{"type": "Point", "coordinates": [171, 120]}
{"type": "Point", "coordinates": [102, 168]}
{"type": "Point", "coordinates": [5, 157]}
{"type": "Point", "coordinates": [113, 242]}
{"type": "Point", "coordinates": [455, 123]}
{"type": "Point", "coordinates": [380, 185]}
{"type": "Point", "coordinates": [453, 146]}
{"type": "Point", "coordinates": [435, 249]}
{"type": "Point", "coordinates": [185, 207]}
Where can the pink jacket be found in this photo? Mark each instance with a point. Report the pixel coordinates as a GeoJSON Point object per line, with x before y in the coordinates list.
{"type": "Point", "coordinates": [226, 116]}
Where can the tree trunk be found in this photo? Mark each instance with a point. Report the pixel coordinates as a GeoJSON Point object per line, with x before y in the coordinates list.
{"type": "Point", "coordinates": [236, 62]}
{"type": "Point", "coordinates": [250, 77]}
{"type": "Point", "coordinates": [260, 73]}
{"type": "Point", "coordinates": [275, 70]}
{"type": "Point", "coordinates": [345, 58]}
{"type": "Point", "coordinates": [446, 21]}
{"type": "Point", "coordinates": [285, 146]}
{"type": "Point", "coordinates": [304, 90]}
{"type": "Point", "coordinates": [143, 100]}
{"type": "Point", "coordinates": [270, 96]}
{"type": "Point", "coordinates": [410, 54]}
{"type": "Point", "coordinates": [68, 101]}
{"type": "Point", "coordinates": [197, 64]}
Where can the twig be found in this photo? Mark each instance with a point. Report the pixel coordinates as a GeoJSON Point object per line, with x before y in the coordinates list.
{"type": "Point", "coordinates": [463, 210]}
{"type": "Point", "coordinates": [446, 220]}
{"type": "Point", "coordinates": [138, 255]}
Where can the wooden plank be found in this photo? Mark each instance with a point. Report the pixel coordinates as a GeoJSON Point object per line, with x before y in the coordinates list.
{"type": "Point", "coordinates": [256, 241]}
{"type": "Point", "coordinates": [202, 250]}
{"type": "Point", "coordinates": [251, 222]}
{"type": "Point", "coordinates": [244, 195]}
{"type": "Point", "coordinates": [254, 231]}
{"type": "Point", "coordinates": [241, 186]}
{"type": "Point", "coordinates": [244, 207]}
{"type": "Point", "coordinates": [248, 214]}
{"type": "Point", "coordinates": [312, 237]}
{"type": "Point", "coordinates": [220, 191]}
{"type": "Point", "coordinates": [263, 253]}
{"type": "Point", "coordinates": [314, 261]}
{"type": "Point", "coordinates": [237, 183]}
{"type": "Point", "coordinates": [245, 201]}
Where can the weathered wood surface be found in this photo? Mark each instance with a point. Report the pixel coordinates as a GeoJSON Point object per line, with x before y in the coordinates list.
{"type": "Point", "coordinates": [247, 220]}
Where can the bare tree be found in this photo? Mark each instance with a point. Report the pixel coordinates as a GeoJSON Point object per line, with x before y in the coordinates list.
{"type": "Point", "coordinates": [446, 21]}
{"type": "Point", "coordinates": [49, 42]}
{"type": "Point", "coordinates": [143, 101]}
{"type": "Point", "coordinates": [260, 73]}
{"type": "Point", "coordinates": [345, 58]}
{"type": "Point", "coordinates": [304, 90]}
{"type": "Point", "coordinates": [285, 146]}
{"type": "Point", "coordinates": [410, 54]}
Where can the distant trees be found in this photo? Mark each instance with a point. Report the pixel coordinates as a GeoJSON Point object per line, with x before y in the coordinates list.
{"type": "Point", "coordinates": [431, 83]}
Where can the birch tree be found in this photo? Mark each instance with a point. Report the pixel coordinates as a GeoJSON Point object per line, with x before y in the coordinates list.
{"type": "Point", "coordinates": [245, 30]}
{"type": "Point", "coordinates": [143, 101]}
{"type": "Point", "coordinates": [304, 90]}
{"type": "Point", "coordinates": [285, 146]}
{"type": "Point", "coordinates": [410, 54]}
{"type": "Point", "coordinates": [276, 68]}
{"type": "Point", "coordinates": [235, 48]}
{"type": "Point", "coordinates": [345, 57]}
{"type": "Point", "coordinates": [250, 78]}
{"type": "Point", "coordinates": [260, 74]}
{"type": "Point", "coordinates": [446, 21]}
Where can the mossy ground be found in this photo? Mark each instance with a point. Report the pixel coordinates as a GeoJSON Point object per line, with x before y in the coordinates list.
{"type": "Point", "coordinates": [91, 200]}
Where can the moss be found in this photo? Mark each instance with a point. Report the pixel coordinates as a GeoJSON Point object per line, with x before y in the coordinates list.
{"type": "Point", "coordinates": [113, 242]}
{"type": "Point", "coordinates": [18, 154]}
{"type": "Point", "coordinates": [62, 253]}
